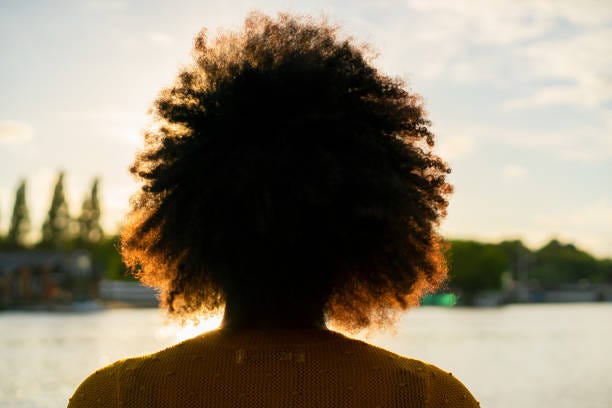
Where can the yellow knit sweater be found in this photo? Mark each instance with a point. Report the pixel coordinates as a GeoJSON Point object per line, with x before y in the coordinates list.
{"type": "Point", "coordinates": [306, 368]}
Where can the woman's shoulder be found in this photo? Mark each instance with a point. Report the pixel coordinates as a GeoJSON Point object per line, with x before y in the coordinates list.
{"type": "Point", "coordinates": [359, 364]}
{"type": "Point", "coordinates": [100, 386]}
{"type": "Point", "coordinates": [441, 388]}
{"type": "Point", "coordinates": [104, 384]}
{"type": "Point", "coordinates": [446, 390]}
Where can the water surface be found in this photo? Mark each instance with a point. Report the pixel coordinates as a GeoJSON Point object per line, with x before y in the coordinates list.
{"type": "Point", "coordinates": [515, 356]}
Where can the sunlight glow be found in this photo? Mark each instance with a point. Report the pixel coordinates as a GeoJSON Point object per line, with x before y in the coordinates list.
{"type": "Point", "coordinates": [190, 329]}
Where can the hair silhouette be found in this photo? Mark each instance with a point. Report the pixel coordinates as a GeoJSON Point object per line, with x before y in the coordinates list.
{"type": "Point", "coordinates": [285, 167]}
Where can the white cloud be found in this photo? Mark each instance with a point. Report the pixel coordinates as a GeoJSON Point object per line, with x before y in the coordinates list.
{"type": "Point", "coordinates": [106, 5]}
{"type": "Point", "coordinates": [583, 62]}
{"type": "Point", "coordinates": [489, 21]}
{"type": "Point", "coordinates": [161, 39]}
{"type": "Point", "coordinates": [513, 172]}
{"type": "Point", "coordinates": [561, 40]}
{"type": "Point", "coordinates": [12, 131]}
{"type": "Point", "coordinates": [585, 143]}
{"type": "Point", "coordinates": [509, 20]}
{"type": "Point", "coordinates": [454, 147]}
{"type": "Point", "coordinates": [584, 12]}
{"type": "Point", "coordinates": [122, 125]}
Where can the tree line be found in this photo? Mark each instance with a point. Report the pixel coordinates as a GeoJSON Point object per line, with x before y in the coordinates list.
{"type": "Point", "coordinates": [473, 266]}
{"type": "Point", "coordinates": [477, 266]}
{"type": "Point", "coordinates": [63, 232]}
{"type": "Point", "coordinates": [60, 230]}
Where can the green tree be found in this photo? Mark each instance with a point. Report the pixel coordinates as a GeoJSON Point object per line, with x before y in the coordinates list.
{"type": "Point", "coordinates": [605, 267]}
{"type": "Point", "coordinates": [1, 237]}
{"type": "Point", "coordinates": [519, 259]}
{"type": "Point", "coordinates": [558, 263]}
{"type": "Point", "coordinates": [56, 228]}
{"type": "Point", "coordinates": [20, 221]}
{"type": "Point", "coordinates": [90, 231]}
{"type": "Point", "coordinates": [475, 266]}
{"type": "Point", "coordinates": [106, 257]}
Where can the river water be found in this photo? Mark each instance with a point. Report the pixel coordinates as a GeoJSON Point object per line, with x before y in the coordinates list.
{"type": "Point", "coordinates": [518, 356]}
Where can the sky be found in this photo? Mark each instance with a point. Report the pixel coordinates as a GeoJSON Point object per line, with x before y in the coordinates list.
{"type": "Point", "coordinates": [519, 93]}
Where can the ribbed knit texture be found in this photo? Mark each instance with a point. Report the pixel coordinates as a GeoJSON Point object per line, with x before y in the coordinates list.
{"type": "Point", "coordinates": [306, 368]}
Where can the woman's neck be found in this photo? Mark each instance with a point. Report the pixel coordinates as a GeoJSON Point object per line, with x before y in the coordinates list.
{"type": "Point", "coordinates": [241, 314]}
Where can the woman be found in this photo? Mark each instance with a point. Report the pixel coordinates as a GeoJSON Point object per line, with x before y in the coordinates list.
{"type": "Point", "coordinates": [291, 183]}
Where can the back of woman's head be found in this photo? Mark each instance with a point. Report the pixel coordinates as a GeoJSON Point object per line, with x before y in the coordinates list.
{"type": "Point", "coordinates": [284, 164]}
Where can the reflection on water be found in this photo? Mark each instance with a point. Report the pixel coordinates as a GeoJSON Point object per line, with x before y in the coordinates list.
{"type": "Point", "coordinates": [516, 356]}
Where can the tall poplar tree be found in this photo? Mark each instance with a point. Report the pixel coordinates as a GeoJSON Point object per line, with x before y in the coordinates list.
{"type": "Point", "coordinates": [56, 228]}
{"type": "Point", "coordinates": [20, 221]}
{"type": "Point", "coordinates": [90, 231]}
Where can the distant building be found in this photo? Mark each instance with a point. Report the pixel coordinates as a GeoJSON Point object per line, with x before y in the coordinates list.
{"type": "Point", "coordinates": [45, 277]}
{"type": "Point", "coordinates": [123, 294]}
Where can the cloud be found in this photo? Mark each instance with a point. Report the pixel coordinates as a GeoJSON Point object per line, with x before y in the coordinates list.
{"type": "Point", "coordinates": [122, 125]}
{"type": "Point", "coordinates": [585, 143]}
{"type": "Point", "coordinates": [488, 22]}
{"type": "Point", "coordinates": [106, 5]}
{"type": "Point", "coordinates": [161, 39]}
{"type": "Point", "coordinates": [506, 43]}
{"type": "Point", "coordinates": [513, 172]}
{"type": "Point", "coordinates": [582, 61]}
{"type": "Point", "coordinates": [454, 147]}
{"type": "Point", "coordinates": [12, 131]}
{"type": "Point", "coordinates": [506, 21]}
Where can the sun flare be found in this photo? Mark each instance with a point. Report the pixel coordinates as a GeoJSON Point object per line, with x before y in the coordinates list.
{"type": "Point", "coordinates": [190, 329]}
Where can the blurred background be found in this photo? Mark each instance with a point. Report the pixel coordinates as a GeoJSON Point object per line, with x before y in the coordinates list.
{"type": "Point", "coordinates": [520, 96]}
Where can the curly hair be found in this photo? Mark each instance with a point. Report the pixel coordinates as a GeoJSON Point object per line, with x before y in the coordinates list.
{"type": "Point", "coordinates": [283, 163]}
